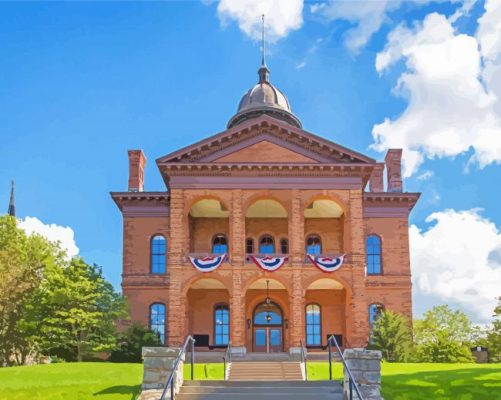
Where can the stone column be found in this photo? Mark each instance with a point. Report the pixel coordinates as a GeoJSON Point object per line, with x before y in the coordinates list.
{"type": "Point", "coordinates": [158, 364]}
{"type": "Point", "coordinates": [359, 308]}
{"type": "Point", "coordinates": [296, 250]}
{"type": "Point", "coordinates": [365, 367]}
{"type": "Point", "coordinates": [296, 229]}
{"type": "Point", "coordinates": [177, 249]}
{"type": "Point", "coordinates": [237, 248]}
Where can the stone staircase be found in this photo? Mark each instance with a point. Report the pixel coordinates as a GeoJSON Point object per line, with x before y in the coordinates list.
{"type": "Point", "coordinates": [265, 371]}
{"type": "Point", "coordinates": [247, 390]}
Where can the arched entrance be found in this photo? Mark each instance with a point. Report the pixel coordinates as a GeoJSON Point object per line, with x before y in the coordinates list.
{"type": "Point", "coordinates": [267, 323]}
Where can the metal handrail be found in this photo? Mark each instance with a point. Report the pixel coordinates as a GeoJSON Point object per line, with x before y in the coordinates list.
{"type": "Point", "coordinates": [170, 380]}
{"type": "Point", "coordinates": [352, 382]}
{"type": "Point", "coordinates": [304, 359]}
{"type": "Point", "coordinates": [227, 359]}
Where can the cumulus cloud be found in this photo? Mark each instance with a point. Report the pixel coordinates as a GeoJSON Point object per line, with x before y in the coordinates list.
{"type": "Point", "coordinates": [458, 259]}
{"type": "Point", "coordinates": [55, 233]}
{"type": "Point", "coordinates": [367, 16]}
{"type": "Point", "coordinates": [453, 107]}
{"type": "Point", "coordinates": [282, 16]}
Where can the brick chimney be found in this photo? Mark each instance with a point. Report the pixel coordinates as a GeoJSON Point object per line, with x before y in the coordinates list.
{"type": "Point", "coordinates": [376, 179]}
{"type": "Point", "coordinates": [137, 162]}
{"type": "Point", "coordinates": [393, 162]}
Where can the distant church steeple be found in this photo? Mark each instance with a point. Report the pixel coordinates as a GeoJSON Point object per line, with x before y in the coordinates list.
{"type": "Point", "coordinates": [12, 204]}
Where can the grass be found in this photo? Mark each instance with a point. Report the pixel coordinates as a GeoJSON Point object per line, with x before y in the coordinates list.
{"type": "Point", "coordinates": [429, 381]}
{"type": "Point", "coordinates": [105, 381]}
{"type": "Point", "coordinates": [71, 381]}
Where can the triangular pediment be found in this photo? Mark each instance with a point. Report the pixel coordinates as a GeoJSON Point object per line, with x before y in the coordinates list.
{"type": "Point", "coordinates": [264, 152]}
{"type": "Point", "coordinates": [265, 140]}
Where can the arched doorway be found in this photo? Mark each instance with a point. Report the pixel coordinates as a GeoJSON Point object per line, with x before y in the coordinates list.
{"type": "Point", "coordinates": [267, 323]}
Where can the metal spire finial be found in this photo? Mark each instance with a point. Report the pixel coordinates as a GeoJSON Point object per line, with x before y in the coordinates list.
{"type": "Point", "coordinates": [263, 72]}
{"type": "Point", "coordinates": [263, 63]}
{"type": "Point", "coordinates": [12, 206]}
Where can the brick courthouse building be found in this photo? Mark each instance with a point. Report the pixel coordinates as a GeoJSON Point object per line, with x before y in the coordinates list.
{"type": "Point", "coordinates": [266, 188]}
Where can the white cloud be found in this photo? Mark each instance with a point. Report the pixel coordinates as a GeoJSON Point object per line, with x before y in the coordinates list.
{"type": "Point", "coordinates": [453, 106]}
{"type": "Point", "coordinates": [425, 175]}
{"type": "Point", "coordinates": [458, 259]}
{"type": "Point", "coordinates": [55, 233]}
{"type": "Point", "coordinates": [367, 16]}
{"type": "Point", "coordinates": [282, 16]}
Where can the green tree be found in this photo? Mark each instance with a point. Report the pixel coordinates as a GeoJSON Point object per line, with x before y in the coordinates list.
{"type": "Point", "coordinates": [443, 335]}
{"type": "Point", "coordinates": [75, 310]}
{"type": "Point", "coordinates": [131, 342]}
{"type": "Point", "coordinates": [23, 261]}
{"type": "Point", "coordinates": [493, 339]}
{"type": "Point", "coordinates": [392, 335]}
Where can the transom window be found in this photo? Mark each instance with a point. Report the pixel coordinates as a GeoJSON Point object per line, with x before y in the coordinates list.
{"type": "Point", "coordinates": [313, 325]}
{"type": "Point", "coordinates": [219, 244]}
{"type": "Point", "coordinates": [221, 325]}
{"type": "Point", "coordinates": [373, 249]}
{"type": "Point", "coordinates": [157, 320]}
{"type": "Point", "coordinates": [158, 250]}
{"type": "Point", "coordinates": [313, 244]}
{"type": "Point", "coordinates": [266, 245]}
{"type": "Point", "coordinates": [267, 314]}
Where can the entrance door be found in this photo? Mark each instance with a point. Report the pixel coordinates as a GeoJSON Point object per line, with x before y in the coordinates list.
{"type": "Point", "coordinates": [268, 331]}
{"type": "Point", "coordinates": [268, 339]}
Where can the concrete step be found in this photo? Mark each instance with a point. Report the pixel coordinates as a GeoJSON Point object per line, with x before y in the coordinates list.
{"type": "Point", "coordinates": [213, 390]}
{"type": "Point", "coordinates": [265, 371]}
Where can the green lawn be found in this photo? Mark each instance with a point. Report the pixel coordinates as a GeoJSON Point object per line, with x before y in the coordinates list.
{"type": "Point", "coordinates": [105, 381]}
{"type": "Point", "coordinates": [430, 381]}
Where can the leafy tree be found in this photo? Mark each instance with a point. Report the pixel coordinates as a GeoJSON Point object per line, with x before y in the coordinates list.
{"type": "Point", "coordinates": [443, 335]}
{"type": "Point", "coordinates": [493, 340]}
{"type": "Point", "coordinates": [131, 342]}
{"type": "Point", "coordinates": [392, 335]}
{"type": "Point", "coordinates": [75, 310]}
{"type": "Point", "coordinates": [23, 260]}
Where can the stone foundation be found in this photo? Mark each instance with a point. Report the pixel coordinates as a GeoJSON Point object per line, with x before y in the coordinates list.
{"type": "Point", "coordinates": [365, 367]}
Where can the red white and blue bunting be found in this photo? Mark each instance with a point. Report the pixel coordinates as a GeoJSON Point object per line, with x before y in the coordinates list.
{"type": "Point", "coordinates": [327, 264]}
{"type": "Point", "coordinates": [268, 263]}
{"type": "Point", "coordinates": [207, 264]}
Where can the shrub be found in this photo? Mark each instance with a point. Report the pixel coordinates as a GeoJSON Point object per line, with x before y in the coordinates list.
{"type": "Point", "coordinates": [131, 342]}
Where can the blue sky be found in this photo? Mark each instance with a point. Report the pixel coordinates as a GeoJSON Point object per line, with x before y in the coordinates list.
{"type": "Point", "coordinates": [81, 83]}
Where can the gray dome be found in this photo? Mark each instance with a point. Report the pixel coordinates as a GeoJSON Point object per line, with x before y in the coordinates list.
{"type": "Point", "coordinates": [264, 98]}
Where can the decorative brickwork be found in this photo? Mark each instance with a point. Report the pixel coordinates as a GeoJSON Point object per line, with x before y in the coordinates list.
{"type": "Point", "coordinates": [335, 179]}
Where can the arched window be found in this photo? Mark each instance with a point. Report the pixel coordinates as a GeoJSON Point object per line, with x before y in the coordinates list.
{"type": "Point", "coordinates": [266, 245]}
{"type": "Point", "coordinates": [221, 325]}
{"type": "Point", "coordinates": [249, 245]}
{"type": "Point", "coordinates": [313, 244]}
{"type": "Point", "coordinates": [267, 314]}
{"type": "Point", "coordinates": [219, 244]}
{"type": "Point", "coordinates": [157, 320]}
{"type": "Point", "coordinates": [375, 311]}
{"type": "Point", "coordinates": [373, 250]}
{"type": "Point", "coordinates": [284, 246]}
{"type": "Point", "coordinates": [313, 325]}
{"type": "Point", "coordinates": [158, 250]}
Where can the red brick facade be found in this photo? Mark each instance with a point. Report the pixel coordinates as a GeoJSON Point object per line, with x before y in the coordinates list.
{"type": "Point", "coordinates": [301, 178]}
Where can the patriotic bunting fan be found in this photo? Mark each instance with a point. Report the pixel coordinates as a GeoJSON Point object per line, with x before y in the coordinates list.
{"type": "Point", "coordinates": [327, 264]}
{"type": "Point", "coordinates": [268, 263]}
{"type": "Point", "coordinates": [207, 264]}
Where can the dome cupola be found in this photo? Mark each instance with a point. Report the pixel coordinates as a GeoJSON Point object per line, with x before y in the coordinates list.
{"type": "Point", "coordinates": [264, 98]}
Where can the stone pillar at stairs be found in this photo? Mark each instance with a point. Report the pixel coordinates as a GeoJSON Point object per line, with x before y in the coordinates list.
{"type": "Point", "coordinates": [365, 367]}
{"type": "Point", "coordinates": [158, 364]}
